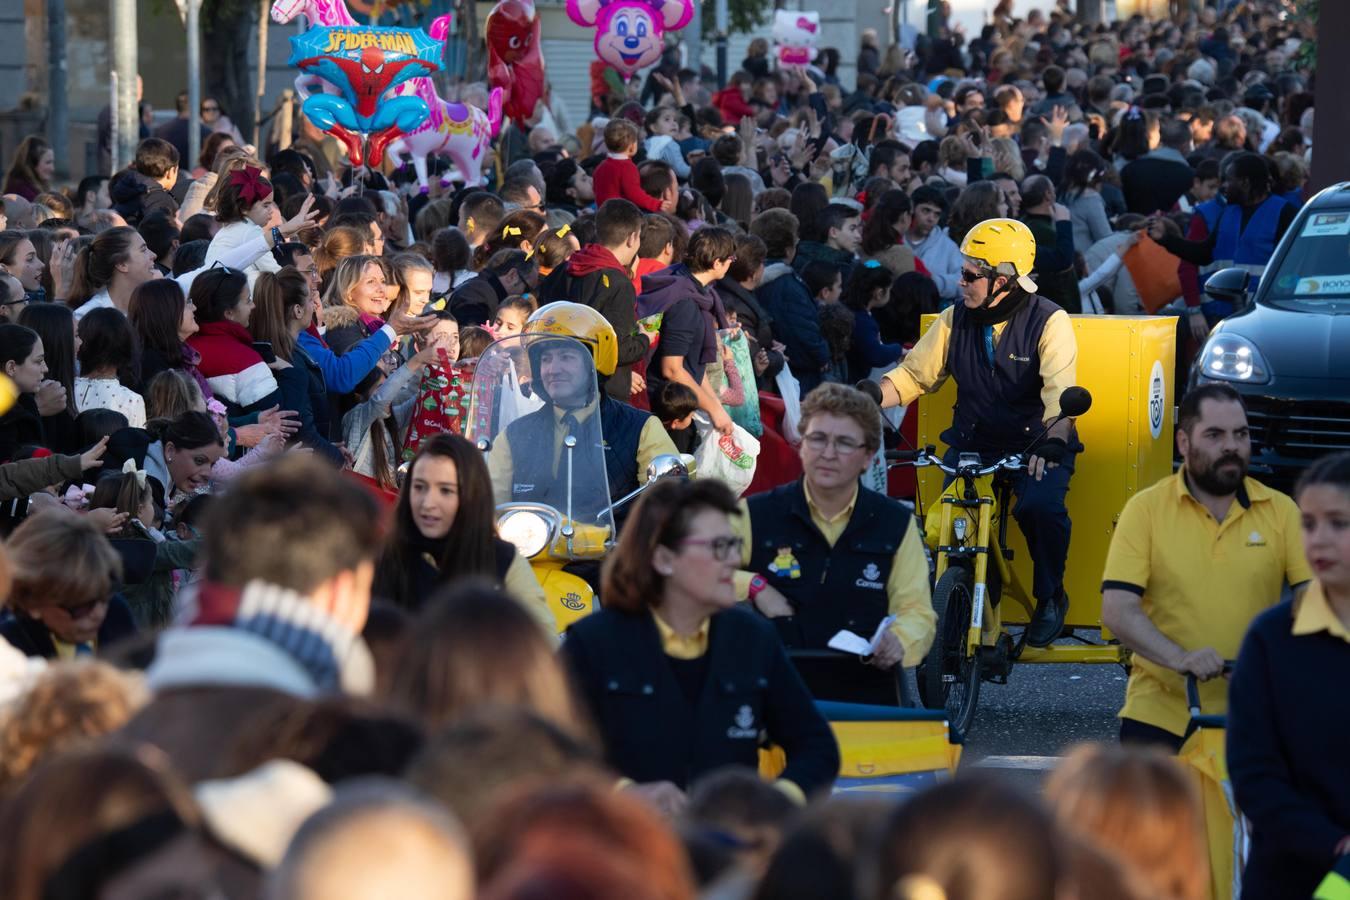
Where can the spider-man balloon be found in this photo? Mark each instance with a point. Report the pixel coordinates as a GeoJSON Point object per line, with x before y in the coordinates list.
{"type": "Point", "coordinates": [515, 63]}
{"type": "Point", "coordinates": [364, 64]}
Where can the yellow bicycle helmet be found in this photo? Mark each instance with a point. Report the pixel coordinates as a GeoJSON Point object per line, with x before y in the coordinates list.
{"type": "Point", "coordinates": [579, 321]}
{"type": "Point", "coordinates": [1005, 245]}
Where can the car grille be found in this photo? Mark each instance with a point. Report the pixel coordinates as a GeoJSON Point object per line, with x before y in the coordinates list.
{"type": "Point", "coordinates": [1302, 429]}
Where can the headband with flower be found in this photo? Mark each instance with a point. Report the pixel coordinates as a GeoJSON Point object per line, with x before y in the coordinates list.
{"type": "Point", "coordinates": [250, 184]}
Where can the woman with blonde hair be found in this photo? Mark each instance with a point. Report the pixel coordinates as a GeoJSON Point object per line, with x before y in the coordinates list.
{"type": "Point", "coordinates": [1140, 806]}
{"type": "Point", "coordinates": [356, 301]}
{"type": "Point", "coordinates": [413, 275]}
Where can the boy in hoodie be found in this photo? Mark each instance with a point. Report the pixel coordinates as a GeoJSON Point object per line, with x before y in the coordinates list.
{"type": "Point", "coordinates": [842, 226]}
{"type": "Point", "coordinates": [930, 242]}
{"type": "Point", "coordinates": [618, 175]}
{"type": "Point", "coordinates": [687, 311]}
{"type": "Point", "coordinates": [144, 187]}
{"type": "Point", "coordinates": [288, 563]}
{"type": "Point", "coordinates": [785, 297]}
{"type": "Point", "coordinates": [598, 276]}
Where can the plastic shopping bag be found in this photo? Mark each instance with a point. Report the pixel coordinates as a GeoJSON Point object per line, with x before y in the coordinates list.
{"type": "Point", "coordinates": [442, 403]}
{"type": "Point", "coordinates": [791, 391]}
{"type": "Point", "coordinates": [730, 458]}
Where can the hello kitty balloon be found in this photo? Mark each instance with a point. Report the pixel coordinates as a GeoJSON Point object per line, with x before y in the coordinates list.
{"type": "Point", "coordinates": [628, 33]}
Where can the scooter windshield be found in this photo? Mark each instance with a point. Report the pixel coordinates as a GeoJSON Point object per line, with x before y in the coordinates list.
{"type": "Point", "coordinates": [536, 402]}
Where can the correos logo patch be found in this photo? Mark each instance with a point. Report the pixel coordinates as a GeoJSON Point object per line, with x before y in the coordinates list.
{"type": "Point", "coordinates": [1157, 396]}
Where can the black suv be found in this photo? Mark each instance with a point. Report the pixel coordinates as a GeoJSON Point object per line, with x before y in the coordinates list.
{"type": "Point", "coordinates": [1287, 347]}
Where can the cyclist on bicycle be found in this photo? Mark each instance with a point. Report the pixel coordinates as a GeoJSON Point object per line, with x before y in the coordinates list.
{"type": "Point", "coordinates": [1012, 353]}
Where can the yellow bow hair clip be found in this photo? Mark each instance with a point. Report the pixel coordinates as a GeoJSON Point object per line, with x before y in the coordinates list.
{"type": "Point", "coordinates": [511, 231]}
{"type": "Point", "coordinates": [437, 305]}
{"type": "Point", "coordinates": [563, 231]}
{"type": "Point", "coordinates": [468, 223]}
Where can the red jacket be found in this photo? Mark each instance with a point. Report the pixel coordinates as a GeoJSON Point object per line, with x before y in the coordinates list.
{"type": "Point", "coordinates": [619, 178]}
{"type": "Point", "coordinates": [732, 105]}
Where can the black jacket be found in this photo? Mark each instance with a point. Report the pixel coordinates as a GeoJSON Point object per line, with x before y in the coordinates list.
{"type": "Point", "coordinates": [750, 691]}
{"type": "Point", "coordinates": [20, 427]}
{"type": "Point", "coordinates": [610, 293]}
{"type": "Point", "coordinates": [1153, 185]}
{"type": "Point", "coordinates": [422, 579]}
{"type": "Point", "coordinates": [32, 638]}
{"type": "Point", "coordinates": [476, 300]}
{"type": "Point", "coordinates": [135, 196]}
{"type": "Point", "coordinates": [757, 324]}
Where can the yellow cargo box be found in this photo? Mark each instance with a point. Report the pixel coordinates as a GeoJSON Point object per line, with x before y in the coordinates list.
{"type": "Point", "coordinates": [1127, 363]}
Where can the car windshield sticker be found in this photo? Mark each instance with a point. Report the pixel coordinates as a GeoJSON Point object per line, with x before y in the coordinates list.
{"type": "Point", "coordinates": [1316, 287]}
{"type": "Point", "coordinates": [1328, 225]}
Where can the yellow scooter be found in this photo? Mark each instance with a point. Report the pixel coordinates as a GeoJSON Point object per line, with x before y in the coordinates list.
{"type": "Point", "coordinates": [556, 511]}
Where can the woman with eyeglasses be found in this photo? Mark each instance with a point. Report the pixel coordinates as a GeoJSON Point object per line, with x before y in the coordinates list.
{"type": "Point", "coordinates": [681, 678]}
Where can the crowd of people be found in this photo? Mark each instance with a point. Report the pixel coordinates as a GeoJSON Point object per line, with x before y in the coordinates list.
{"type": "Point", "coordinates": [263, 640]}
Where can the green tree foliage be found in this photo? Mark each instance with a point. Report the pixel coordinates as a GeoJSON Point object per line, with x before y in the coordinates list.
{"type": "Point", "coordinates": [742, 15]}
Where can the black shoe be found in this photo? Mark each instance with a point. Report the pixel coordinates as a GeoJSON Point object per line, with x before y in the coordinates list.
{"type": "Point", "coordinates": [1047, 622]}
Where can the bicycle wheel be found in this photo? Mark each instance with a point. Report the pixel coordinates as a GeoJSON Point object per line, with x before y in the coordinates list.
{"type": "Point", "coordinates": [948, 679]}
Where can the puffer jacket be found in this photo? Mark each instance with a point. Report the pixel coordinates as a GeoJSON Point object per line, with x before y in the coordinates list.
{"type": "Point", "coordinates": [811, 251]}
{"type": "Point", "coordinates": [135, 196]}
{"type": "Point", "coordinates": [796, 322]}
{"type": "Point", "coordinates": [237, 374]}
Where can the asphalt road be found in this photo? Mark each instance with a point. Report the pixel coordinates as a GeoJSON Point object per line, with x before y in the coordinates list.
{"type": "Point", "coordinates": [1021, 728]}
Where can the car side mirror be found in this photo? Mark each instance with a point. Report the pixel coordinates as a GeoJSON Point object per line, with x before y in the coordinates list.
{"type": "Point", "coordinates": [1229, 284]}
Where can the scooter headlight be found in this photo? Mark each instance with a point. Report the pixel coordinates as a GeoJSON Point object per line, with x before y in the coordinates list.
{"type": "Point", "coordinates": [528, 530]}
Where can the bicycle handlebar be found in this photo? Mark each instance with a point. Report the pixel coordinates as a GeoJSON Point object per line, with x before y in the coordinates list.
{"type": "Point", "coordinates": [928, 457]}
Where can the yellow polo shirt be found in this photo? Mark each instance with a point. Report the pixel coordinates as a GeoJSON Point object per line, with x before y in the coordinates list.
{"type": "Point", "coordinates": [680, 646]}
{"type": "Point", "coordinates": [924, 368]}
{"type": "Point", "coordinates": [1201, 582]}
{"type": "Point", "coordinates": [907, 592]}
{"type": "Point", "coordinates": [652, 442]}
{"type": "Point", "coordinates": [1315, 614]}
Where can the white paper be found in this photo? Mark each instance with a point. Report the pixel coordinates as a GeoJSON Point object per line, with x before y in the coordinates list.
{"type": "Point", "coordinates": [849, 642]}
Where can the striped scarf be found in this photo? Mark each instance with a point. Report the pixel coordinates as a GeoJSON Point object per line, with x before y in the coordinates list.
{"type": "Point", "coordinates": [319, 643]}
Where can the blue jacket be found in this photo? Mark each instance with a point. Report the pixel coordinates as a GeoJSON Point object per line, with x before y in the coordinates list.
{"type": "Point", "coordinates": [867, 351]}
{"type": "Point", "coordinates": [343, 373]}
{"type": "Point", "coordinates": [796, 322]}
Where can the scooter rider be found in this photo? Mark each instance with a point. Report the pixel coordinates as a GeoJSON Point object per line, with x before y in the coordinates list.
{"type": "Point", "coordinates": [1012, 353]}
{"type": "Point", "coordinates": [562, 377]}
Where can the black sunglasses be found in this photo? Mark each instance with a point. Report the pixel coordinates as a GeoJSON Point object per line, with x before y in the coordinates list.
{"type": "Point", "coordinates": [968, 277]}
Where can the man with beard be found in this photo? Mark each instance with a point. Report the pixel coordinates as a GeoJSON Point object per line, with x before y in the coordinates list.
{"type": "Point", "coordinates": [1193, 560]}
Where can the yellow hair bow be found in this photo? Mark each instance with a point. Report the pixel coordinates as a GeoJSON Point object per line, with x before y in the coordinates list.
{"type": "Point", "coordinates": [468, 223]}
{"type": "Point", "coordinates": [511, 230]}
{"type": "Point", "coordinates": [562, 232]}
{"type": "Point", "coordinates": [436, 305]}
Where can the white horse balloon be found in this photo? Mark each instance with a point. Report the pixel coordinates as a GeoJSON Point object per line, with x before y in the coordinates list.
{"type": "Point", "coordinates": [461, 132]}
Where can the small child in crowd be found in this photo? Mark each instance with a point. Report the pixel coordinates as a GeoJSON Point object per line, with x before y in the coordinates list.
{"type": "Point", "coordinates": [618, 175]}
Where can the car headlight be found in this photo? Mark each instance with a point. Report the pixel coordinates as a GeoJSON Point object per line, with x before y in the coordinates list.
{"type": "Point", "coordinates": [1231, 357]}
{"type": "Point", "coordinates": [529, 531]}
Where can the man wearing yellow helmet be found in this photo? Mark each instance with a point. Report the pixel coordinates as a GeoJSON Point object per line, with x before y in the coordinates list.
{"type": "Point", "coordinates": [1012, 353]}
{"type": "Point", "coordinates": [565, 381]}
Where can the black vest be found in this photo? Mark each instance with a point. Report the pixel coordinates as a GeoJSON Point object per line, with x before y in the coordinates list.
{"type": "Point", "coordinates": [533, 440]}
{"type": "Point", "coordinates": [831, 588]}
{"type": "Point", "coordinates": [998, 407]}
